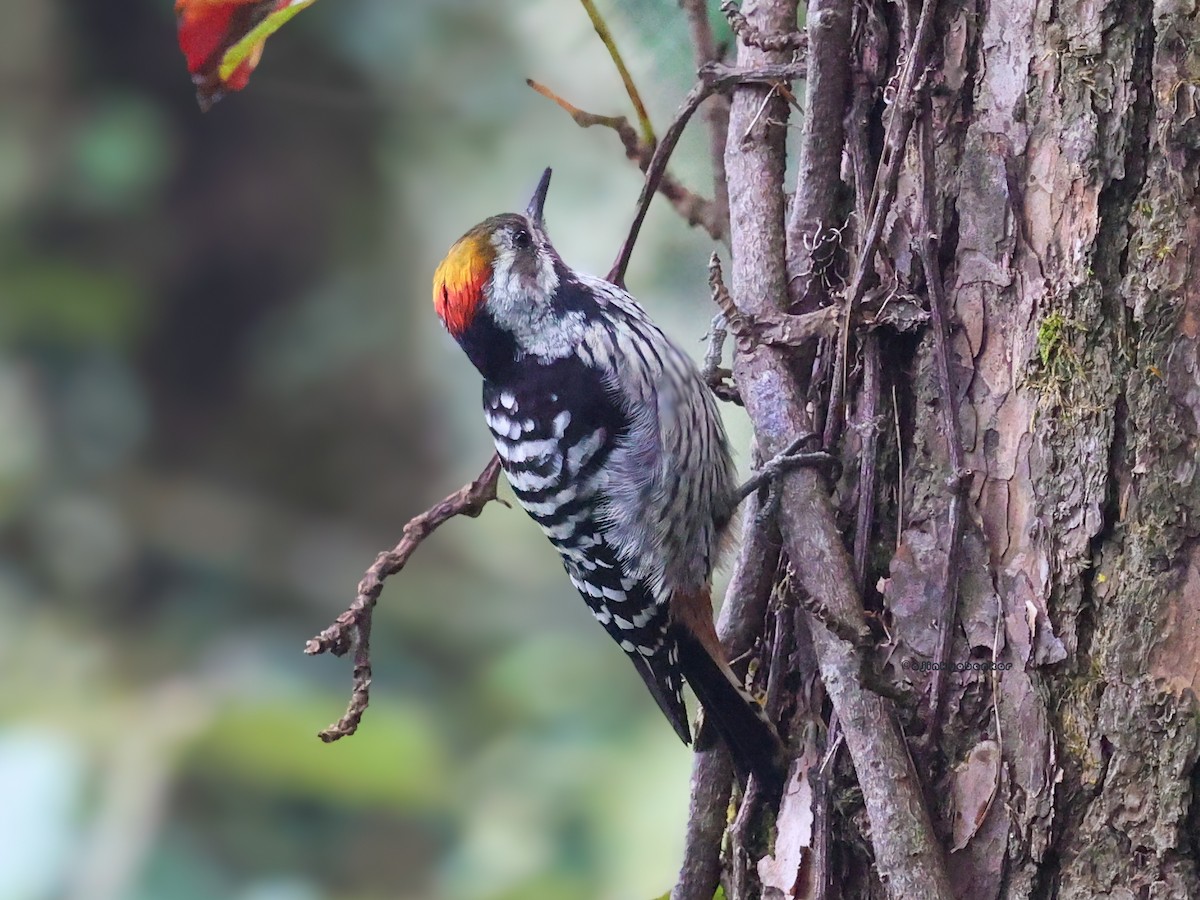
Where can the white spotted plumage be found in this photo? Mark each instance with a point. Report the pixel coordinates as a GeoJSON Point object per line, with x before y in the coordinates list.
{"type": "Point", "coordinates": [625, 467]}
{"type": "Point", "coordinates": [613, 444]}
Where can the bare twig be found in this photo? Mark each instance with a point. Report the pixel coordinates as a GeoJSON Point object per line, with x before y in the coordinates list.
{"type": "Point", "coordinates": [708, 811]}
{"type": "Point", "coordinates": [734, 320]}
{"type": "Point", "coordinates": [630, 88]}
{"type": "Point", "coordinates": [766, 101]}
{"type": "Point", "coordinates": [695, 210]}
{"type": "Point", "coordinates": [785, 330]}
{"type": "Point", "coordinates": [782, 646]}
{"type": "Point", "coordinates": [867, 462]}
{"type": "Point", "coordinates": [716, 111]}
{"type": "Point", "coordinates": [768, 327]}
{"type": "Point", "coordinates": [718, 379]}
{"type": "Point", "coordinates": [717, 332]}
{"type": "Point", "coordinates": [353, 627]}
{"type": "Point", "coordinates": [927, 230]}
{"type": "Point", "coordinates": [584, 119]}
{"type": "Point", "coordinates": [721, 77]}
{"type": "Point", "coordinates": [740, 832]}
{"type": "Point", "coordinates": [822, 781]}
{"type": "Point", "coordinates": [746, 831]}
{"type": "Point", "coordinates": [715, 77]}
{"type": "Point", "coordinates": [811, 238]}
{"type": "Point", "coordinates": [856, 634]}
{"type": "Point", "coordinates": [811, 231]}
{"type": "Point", "coordinates": [899, 467]}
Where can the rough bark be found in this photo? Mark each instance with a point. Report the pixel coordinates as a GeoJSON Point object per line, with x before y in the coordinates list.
{"type": "Point", "coordinates": [1061, 145]}
{"type": "Point", "coordinates": [1069, 189]}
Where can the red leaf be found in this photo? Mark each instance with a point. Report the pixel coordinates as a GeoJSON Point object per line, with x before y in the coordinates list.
{"type": "Point", "coordinates": [208, 28]}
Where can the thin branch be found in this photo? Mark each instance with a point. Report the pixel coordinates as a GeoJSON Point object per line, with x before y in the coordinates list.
{"type": "Point", "coordinates": [717, 332]}
{"type": "Point", "coordinates": [855, 633]}
{"type": "Point", "coordinates": [786, 330]}
{"type": "Point", "coordinates": [584, 119]}
{"type": "Point", "coordinates": [353, 627]}
{"type": "Point", "coordinates": [814, 231]}
{"type": "Point", "coordinates": [782, 647]}
{"type": "Point", "coordinates": [630, 88]}
{"type": "Point", "coordinates": [826, 88]}
{"type": "Point", "coordinates": [822, 781]}
{"type": "Point", "coordinates": [900, 486]}
{"type": "Point", "coordinates": [713, 78]}
{"type": "Point", "coordinates": [766, 101]}
{"type": "Point", "coordinates": [738, 323]}
{"type": "Point", "coordinates": [869, 424]}
{"type": "Point", "coordinates": [718, 379]}
{"type": "Point", "coordinates": [716, 111]}
{"type": "Point", "coordinates": [708, 811]}
{"type": "Point", "coordinates": [695, 210]}
{"type": "Point", "coordinates": [740, 832]}
{"type": "Point", "coordinates": [929, 252]}
{"type": "Point", "coordinates": [715, 352]}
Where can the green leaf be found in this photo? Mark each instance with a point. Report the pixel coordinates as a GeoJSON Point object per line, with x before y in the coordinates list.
{"type": "Point", "coordinates": [239, 52]}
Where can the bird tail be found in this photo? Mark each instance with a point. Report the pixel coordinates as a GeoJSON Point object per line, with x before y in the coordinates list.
{"type": "Point", "coordinates": [740, 721]}
{"type": "Point", "coordinates": [664, 681]}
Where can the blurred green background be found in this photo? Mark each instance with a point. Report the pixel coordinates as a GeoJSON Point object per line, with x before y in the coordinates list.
{"type": "Point", "coordinates": [222, 391]}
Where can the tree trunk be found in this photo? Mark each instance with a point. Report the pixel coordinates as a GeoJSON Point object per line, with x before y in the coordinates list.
{"type": "Point", "coordinates": [1010, 220]}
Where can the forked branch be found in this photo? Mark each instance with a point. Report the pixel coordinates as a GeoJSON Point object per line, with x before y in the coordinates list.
{"type": "Point", "coordinates": [352, 629]}
{"type": "Point", "coordinates": [713, 78]}
{"type": "Point", "coordinates": [610, 45]}
{"type": "Point", "coordinates": [696, 210]}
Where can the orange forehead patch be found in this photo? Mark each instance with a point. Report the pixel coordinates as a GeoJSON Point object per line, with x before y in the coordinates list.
{"type": "Point", "coordinates": [459, 280]}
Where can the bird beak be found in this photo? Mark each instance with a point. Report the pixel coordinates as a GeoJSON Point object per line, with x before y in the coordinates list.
{"type": "Point", "coordinates": [536, 204]}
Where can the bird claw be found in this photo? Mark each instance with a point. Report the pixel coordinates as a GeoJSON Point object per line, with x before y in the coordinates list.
{"type": "Point", "coordinates": [769, 505]}
{"type": "Point", "coordinates": [786, 462]}
{"type": "Point", "coordinates": [791, 458]}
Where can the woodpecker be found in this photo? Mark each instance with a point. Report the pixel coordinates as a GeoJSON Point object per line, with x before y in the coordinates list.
{"type": "Point", "coordinates": [612, 442]}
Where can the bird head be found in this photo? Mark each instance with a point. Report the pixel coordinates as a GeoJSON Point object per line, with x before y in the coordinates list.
{"type": "Point", "coordinates": [504, 266]}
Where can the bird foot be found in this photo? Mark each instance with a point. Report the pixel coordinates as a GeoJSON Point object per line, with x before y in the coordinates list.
{"type": "Point", "coordinates": [794, 457]}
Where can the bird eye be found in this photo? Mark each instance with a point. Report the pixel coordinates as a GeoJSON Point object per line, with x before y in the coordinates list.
{"type": "Point", "coordinates": [521, 239]}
